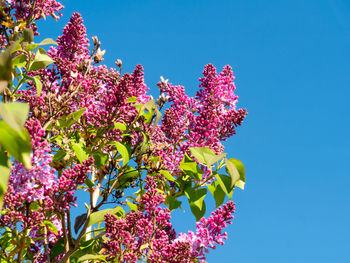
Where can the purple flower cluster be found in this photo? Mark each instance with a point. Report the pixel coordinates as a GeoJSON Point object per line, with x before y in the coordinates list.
{"type": "Point", "coordinates": [209, 231]}
{"type": "Point", "coordinates": [74, 82]}
{"type": "Point", "coordinates": [29, 11]}
{"type": "Point", "coordinates": [34, 184]}
{"type": "Point", "coordinates": [206, 120]}
{"type": "Point", "coordinates": [148, 233]}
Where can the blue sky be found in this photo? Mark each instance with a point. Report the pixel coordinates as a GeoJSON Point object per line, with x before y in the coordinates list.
{"type": "Point", "coordinates": [292, 63]}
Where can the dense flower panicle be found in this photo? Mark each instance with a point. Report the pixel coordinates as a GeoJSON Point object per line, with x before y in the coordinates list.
{"type": "Point", "coordinates": [205, 120]}
{"type": "Point", "coordinates": [151, 225]}
{"type": "Point", "coordinates": [30, 10]}
{"type": "Point", "coordinates": [73, 44]}
{"type": "Point", "coordinates": [36, 182]}
{"type": "Point", "coordinates": [209, 231]}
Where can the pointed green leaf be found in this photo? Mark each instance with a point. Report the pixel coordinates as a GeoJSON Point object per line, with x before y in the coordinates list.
{"type": "Point", "coordinates": [28, 35]}
{"type": "Point", "coordinates": [50, 226]}
{"type": "Point", "coordinates": [132, 206]}
{"type": "Point", "coordinates": [225, 182]}
{"type": "Point", "coordinates": [80, 152]}
{"type": "Point", "coordinates": [38, 85]}
{"type": "Point", "coordinates": [150, 106]}
{"type": "Point", "coordinates": [190, 167]}
{"type": "Point", "coordinates": [20, 61]}
{"type": "Point", "coordinates": [18, 145]}
{"type": "Point", "coordinates": [173, 202]}
{"type": "Point", "coordinates": [99, 216]}
{"type": "Point", "coordinates": [31, 47]}
{"type": "Point", "coordinates": [217, 192]}
{"type": "Point", "coordinates": [120, 126]}
{"type": "Point", "coordinates": [100, 158]}
{"type": "Point", "coordinates": [6, 63]}
{"type": "Point", "coordinates": [241, 170]}
{"type": "Point", "coordinates": [123, 152]}
{"type": "Point", "coordinates": [232, 171]}
{"type": "Point", "coordinates": [47, 41]}
{"type": "Point", "coordinates": [196, 201]}
{"type": "Point", "coordinates": [15, 115]}
{"type": "Point", "coordinates": [206, 155]}
{"type": "Point", "coordinates": [41, 60]}
{"type": "Point", "coordinates": [58, 248]}
{"type": "Point", "coordinates": [59, 156]}
{"type": "Point", "coordinates": [167, 175]}
{"type": "Point", "coordinates": [5, 172]}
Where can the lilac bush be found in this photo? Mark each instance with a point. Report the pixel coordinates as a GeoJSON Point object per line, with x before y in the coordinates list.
{"type": "Point", "coordinates": [70, 124]}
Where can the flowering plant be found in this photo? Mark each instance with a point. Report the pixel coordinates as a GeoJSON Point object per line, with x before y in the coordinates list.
{"type": "Point", "coordinates": [69, 124]}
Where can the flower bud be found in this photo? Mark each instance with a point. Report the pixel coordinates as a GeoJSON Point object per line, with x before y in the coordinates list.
{"type": "Point", "coordinates": [99, 55]}
{"type": "Point", "coordinates": [119, 63]}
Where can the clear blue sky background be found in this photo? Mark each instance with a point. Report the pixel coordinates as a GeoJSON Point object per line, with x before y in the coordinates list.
{"type": "Point", "coordinates": [292, 62]}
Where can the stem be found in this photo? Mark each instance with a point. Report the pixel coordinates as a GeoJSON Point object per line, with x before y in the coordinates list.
{"type": "Point", "coordinates": [69, 225]}
{"type": "Point", "coordinates": [46, 245]}
{"type": "Point", "coordinates": [66, 241]}
{"type": "Point", "coordinates": [20, 252]}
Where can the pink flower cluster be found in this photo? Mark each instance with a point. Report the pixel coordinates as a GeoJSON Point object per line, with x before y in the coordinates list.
{"type": "Point", "coordinates": [209, 231]}
{"type": "Point", "coordinates": [74, 82]}
{"type": "Point", "coordinates": [31, 10]}
{"type": "Point", "coordinates": [206, 120]}
{"type": "Point", "coordinates": [148, 233]}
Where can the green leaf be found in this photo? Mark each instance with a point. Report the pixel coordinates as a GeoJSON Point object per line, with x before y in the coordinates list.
{"type": "Point", "coordinates": [196, 201]}
{"type": "Point", "coordinates": [191, 168]}
{"type": "Point", "coordinates": [76, 115]}
{"type": "Point", "coordinates": [241, 170]}
{"type": "Point", "coordinates": [58, 248]}
{"type": "Point", "coordinates": [144, 144]}
{"type": "Point", "coordinates": [59, 156]}
{"type": "Point", "coordinates": [47, 41]}
{"type": "Point", "coordinates": [79, 222]}
{"type": "Point", "coordinates": [150, 105]}
{"type": "Point", "coordinates": [123, 152]}
{"type": "Point", "coordinates": [173, 202]}
{"type": "Point", "coordinates": [6, 63]}
{"type": "Point", "coordinates": [80, 152]}
{"type": "Point", "coordinates": [100, 159]}
{"type": "Point", "coordinates": [86, 244]}
{"type": "Point", "coordinates": [144, 246]}
{"type": "Point", "coordinates": [217, 192]}
{"type": "Point", "coordinates": [41, 60]}
{"type": "Point", "coordinates": [232, 171]}
{"type": "Point", "coordinates": [206, 155]}
{"type": "Point", "coordinates": [92, 257]}
{"type": "Point", "coordinates": [158, 117]}
{"type": "Point", "coordinates": [167, 175]}
{"type": "Point", "coordinates": [132, 206]}
{"type": "Point", "coordinates": [50, 226]}
{"type": "Point", "coordinates": [31, 47]}
{"type": "Point", "coordinates": [15, 115]}
{"type": "Point", "coordinates": [38, 85]}
{"type": "Point", "coordinates": [132, 99]}
{"type": "Point", "coordinates": [5, 172]}
{"type": "Point", "coordinates": [34, 206]}
{"type": "Point", "coordinates": [18, 145]}
{"type": "Point", "coordinates": [99, 216]}
{"type": "Point", "coordinates": [70, 119]}
{"type": "Point", "coordinates": [120, 126]}
{"type": "Point", "coordinates": [89, 183]}
{"type": "Point", "coordinates": [225, 182]}
{"type": "Point", "coordinates": [28, 35]}
{"type": "Point", "coordinates": [20, 61]}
